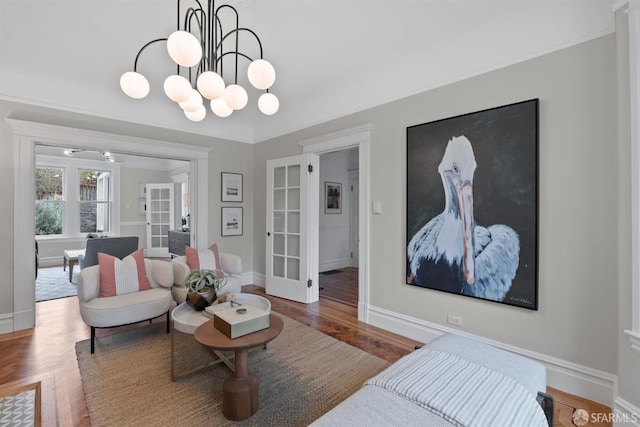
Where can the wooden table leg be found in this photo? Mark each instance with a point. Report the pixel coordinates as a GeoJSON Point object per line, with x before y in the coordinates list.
{"type": "Point", "coordinates": [240, 391]}
{"type": "Point", "coordinates": [71, 264]}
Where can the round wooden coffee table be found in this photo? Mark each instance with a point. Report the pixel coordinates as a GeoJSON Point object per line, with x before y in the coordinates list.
{"type": "Point", "coordinates": [239, 391]}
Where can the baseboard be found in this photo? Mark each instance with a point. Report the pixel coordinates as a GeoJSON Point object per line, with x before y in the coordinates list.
{"type": "Point", "coordinates": [625, 414]}
{"type": "Point", "coordinates": [334, 265]}
{"type": "Point", "coordinates": [52, 261]}
{"type": "Point", "coordinates": [258, 279]}
{"type": "Point", "coordinates": [567, 376]}
{"type": "Point", "coordinates": [248, 278]}
{"type": "Point", "coordinates": [6, 323]}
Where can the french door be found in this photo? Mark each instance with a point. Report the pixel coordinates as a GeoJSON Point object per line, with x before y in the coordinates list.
{"type": "Point", "coordinates": [159, 219]}
{"type": "Point", "coordinates": [292, 228]}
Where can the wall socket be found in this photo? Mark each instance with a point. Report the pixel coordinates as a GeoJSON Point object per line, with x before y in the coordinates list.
{"type": "Point", "coordinates": [454, 320]}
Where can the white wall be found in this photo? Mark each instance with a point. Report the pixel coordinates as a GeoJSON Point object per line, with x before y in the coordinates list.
{"type": "Point", "coordinates": [334, 250]}
{"type": "Point", "coordinates": [576, 323]}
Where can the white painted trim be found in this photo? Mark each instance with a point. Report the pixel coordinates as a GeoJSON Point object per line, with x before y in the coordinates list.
{"type": "Point", "coordinates": [51, 261]}
{"type": "Point", "coordinates": [26, 136]}
{"type": "Point", "coordinates": [132, 224]}
{"type": "Point", "coordinates": [625, 414]}
{"type": "Point", "coordinates": [246, 278]}
{"type": "Point", "coordinates": [6, 323]}
{"type": "Point", "coordinates": [635, 340]}
{"type": "Point", "coordinates": [633, 12]}
{"type": "Point", "coordinates": [567, 376]}
{"type": "Point", "coordinates": [360, 137]}
{"type": "Point", "coordinates": [334, 264]}
{"type": "Point", "coordinates": [258, 279]}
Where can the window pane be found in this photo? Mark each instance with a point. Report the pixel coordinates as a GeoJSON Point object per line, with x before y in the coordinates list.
{"type": "Point", "coordinates": [49, 218]}
{"type": "Point", "coordinates": [94, 185]}
{"type": "Point", "coordinates": [49, 183]}
{"type": "Point", "coordinates": [94, 217]}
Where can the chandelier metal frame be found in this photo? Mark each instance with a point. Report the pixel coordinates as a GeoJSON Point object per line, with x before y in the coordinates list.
{"type": "Point", "coordinates": [205, 26]}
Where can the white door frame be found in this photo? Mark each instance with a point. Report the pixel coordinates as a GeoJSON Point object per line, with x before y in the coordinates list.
{"type": "Point", "coordinates": [26, 135]}
{"type": "Point", "coordinates": [359, 137]}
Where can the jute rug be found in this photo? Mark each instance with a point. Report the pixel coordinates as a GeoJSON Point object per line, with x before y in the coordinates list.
{"type": "Point", "coordinates": [303, 373]}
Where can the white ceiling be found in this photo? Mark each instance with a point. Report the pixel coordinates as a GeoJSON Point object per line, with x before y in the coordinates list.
{"type": "Point", "coordinates": [124, 160]}
{"type": "Point", "coordinates": [332, 57]}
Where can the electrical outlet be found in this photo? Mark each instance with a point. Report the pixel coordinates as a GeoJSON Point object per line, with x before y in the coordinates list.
{"type": "Point", "coordinates": [454, 320]}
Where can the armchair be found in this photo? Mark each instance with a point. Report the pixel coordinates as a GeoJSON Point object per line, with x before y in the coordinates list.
{"type": "Point", "coordinates": [117, 246]}
{"type": "Point", "coordinates": [120, 310]}
{"type": "Point", "coordinates": [231, 266]}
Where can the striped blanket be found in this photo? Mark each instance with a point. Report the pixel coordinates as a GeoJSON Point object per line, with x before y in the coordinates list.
{"type": "Point", "coordinates": [460, 391]}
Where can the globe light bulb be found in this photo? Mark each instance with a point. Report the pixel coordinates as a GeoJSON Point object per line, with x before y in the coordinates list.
{"type": "Point", "coordinates": [210, 85]}
{"type": "Point", "coordinates": [193, 103]}
{"type": "Point", "coordinates": [236, 97]}
{"type": "Point", "coordinates": [177, 88]}
{"type": "Point", "coordinates": [198, 115]}
{"type": "Point", "coordinates": [184, 48]}
{"type": "Point", "coordinates": [220, 107]}
{"type": "Point", "coordinates": [268, 103]}
{"type": "Point", "coordinates": [134, 85]}
{"type": "Point", "coordinates": [261, 74]}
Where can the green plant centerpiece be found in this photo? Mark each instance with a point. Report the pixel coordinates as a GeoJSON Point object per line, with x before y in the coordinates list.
{"type": "Point", "coordinates": [202, 287]}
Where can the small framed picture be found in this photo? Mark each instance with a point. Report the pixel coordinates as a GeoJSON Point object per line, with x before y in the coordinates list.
{"type": "Point", "coordinates": [232, 221]}
{"type": "Point", "coordinates": [332, 197]}
{"type": "Point", "coordinates": [231, 187]}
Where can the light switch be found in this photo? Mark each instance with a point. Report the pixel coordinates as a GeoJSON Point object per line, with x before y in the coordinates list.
{"type": "Point", "coordinates": [377, 207]}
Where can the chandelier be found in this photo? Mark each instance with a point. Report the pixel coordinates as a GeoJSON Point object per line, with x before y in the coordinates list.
{"type": "Point", "coordinates": [201, 48]}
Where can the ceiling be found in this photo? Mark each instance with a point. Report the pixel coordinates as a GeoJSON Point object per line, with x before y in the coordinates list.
{"type": "Point", "coordinates": [332, 57]}
{"type": "Point", "coordinates": [123, 160]}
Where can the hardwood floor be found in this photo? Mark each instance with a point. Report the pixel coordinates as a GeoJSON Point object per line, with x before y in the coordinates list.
{"type": "Point", "coordinates": [49, 349]}
{"type": "Point", "coordinates": [340, 285]}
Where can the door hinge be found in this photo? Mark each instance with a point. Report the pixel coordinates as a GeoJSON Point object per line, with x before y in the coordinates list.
{"type": "Point", "coordinates": [351, 254]}
{"type": "Point", "coordinates": [310, 168]}
{"type": "Point", "coordinates": [309, 283]}
{"type": "Point", "coordinates": [352, 188]}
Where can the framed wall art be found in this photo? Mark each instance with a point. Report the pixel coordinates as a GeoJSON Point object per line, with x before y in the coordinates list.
{"type": "Point", "coordinates": [472, 205]}
{"type": "Point", "coordinates": [231, 221]}
{"type": "Point", "coordinates": [332, 197]}
{"type": "Point", "coordinates": [231, 187]}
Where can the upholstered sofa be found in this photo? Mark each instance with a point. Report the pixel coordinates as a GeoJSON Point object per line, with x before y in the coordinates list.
{"type": "Point", "coordinates": [108, 312]}
{"type": "Point", "coordinates": [453, 380]}
{"type": "Point", "coordinates": [231, 266]}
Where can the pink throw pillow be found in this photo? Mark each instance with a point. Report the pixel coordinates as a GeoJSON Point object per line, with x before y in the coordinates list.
{"type": "Point", "coordinates": [208, 258]}
{"type": "Point", "coordinates": [119, 277]}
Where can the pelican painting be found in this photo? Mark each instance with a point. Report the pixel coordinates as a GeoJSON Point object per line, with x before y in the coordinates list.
{"type": "Point", "coordinates": [451, 252]}
{"type": "Point", "coordinates": [472, 204]}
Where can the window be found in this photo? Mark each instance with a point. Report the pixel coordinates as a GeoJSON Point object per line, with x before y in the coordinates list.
{"type": "Point", "coordinates": [49, 201]}
{"type": "Point", "coordinates": [94, 201]}
{"type": "Point", "coordinates": [75, 197]}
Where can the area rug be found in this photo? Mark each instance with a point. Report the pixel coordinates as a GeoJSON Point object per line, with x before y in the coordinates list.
{"type": "Point", "coordinates": [303, 373]}
{"type": "Point", "coordinates": [53, 283]}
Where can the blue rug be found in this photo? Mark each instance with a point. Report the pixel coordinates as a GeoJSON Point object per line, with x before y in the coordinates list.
{"type": "Point", "coordinates": [53, 283]}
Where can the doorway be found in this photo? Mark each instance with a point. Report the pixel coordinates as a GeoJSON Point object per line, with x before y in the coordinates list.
{"type": "Point", "coordinates": [338, 226]}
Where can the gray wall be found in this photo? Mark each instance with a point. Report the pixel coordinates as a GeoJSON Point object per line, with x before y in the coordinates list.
{"type": "Point", "coordinates": [225, 156]}
{"type": "Point", "coordinates": [578, 266]}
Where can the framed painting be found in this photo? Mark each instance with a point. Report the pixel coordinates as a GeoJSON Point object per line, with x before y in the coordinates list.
{"type": "Point", "coordinates": [472, 205]}
{"type": "Point", "coordinates": [332, 197]}
{"type": "Point", "coordinates": [232, 221]}
{"type": "Point", "coordinates": [231, 187]}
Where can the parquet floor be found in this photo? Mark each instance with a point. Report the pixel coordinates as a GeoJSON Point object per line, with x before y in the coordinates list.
{"type": "Point", "coordinates": [49, 349]}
